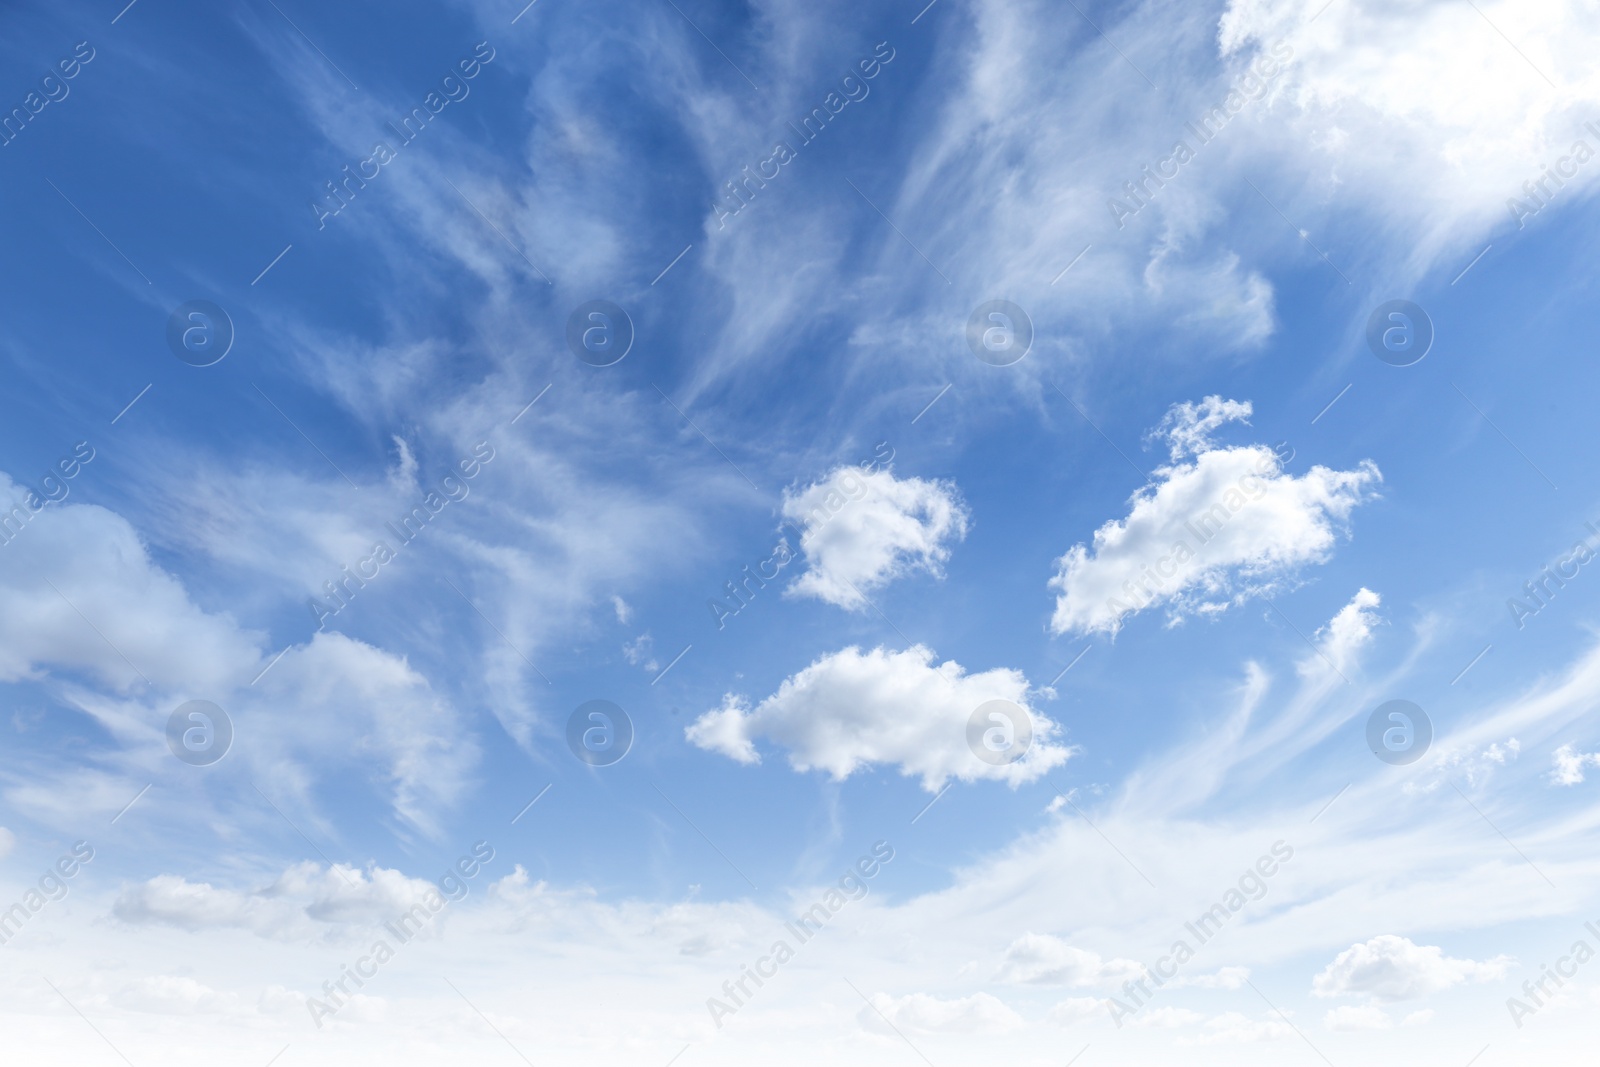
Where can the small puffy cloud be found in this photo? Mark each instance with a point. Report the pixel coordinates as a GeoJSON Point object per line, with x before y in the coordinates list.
{"type": "Point", "coordinates": [172, 995]}
{"type": "Point", "coordinates": [1075, 1010]}
{"type": "Point", "coordinates": [1223, 978]}
{"type": "Point", "coordinates": [1393, 968]}
{"type": "Point", "coordinates": [1568, 770]}
{"type": "Point", "coordinates": [1352, 1017]}
{"type": "Point", "coordinates": [860, 530]}
{"type": "Point", "coordinates": [623, 609]}
{"type": "Point", "coordinates": [1208, 532]}
{"type": "Point", "coordinates": [1234, 1028]}
{"type": "Point", "coordinates": [1166, 1018]}
{"type": "Point", "coordinates": [1347, 633]}
{"type": "Point", "coordinates": [851, 709]}
{"type": "Point", "coordinates": [1187, 426]}
{"type": "Point", "coordinates": [977, 1014]}
{"type": "Point", "coordinates": [1043, 959]}
{"type": "Point", "coordinates": [306, 900]}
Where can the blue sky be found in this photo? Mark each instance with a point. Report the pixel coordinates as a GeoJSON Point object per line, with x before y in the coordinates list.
{"type": "Point", "coordinates": [799, 395]}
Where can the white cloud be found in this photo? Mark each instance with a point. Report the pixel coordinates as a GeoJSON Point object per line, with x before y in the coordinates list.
{"type": "Point", "coordinates": [860, 530]}
{"type": "Point", "coordinates": [307, 900]}
{"type": "Point", "coordinates": [979, 1013]}
{"type": "Point", "coordinates": [1043, 959]}
{"type": "Point", "coordinates": [1352, 1017]}
{"type": "Point", "coordinates": [1233, 1028]}
{"type": "Point", "coordinates": [1206, 534]}
{"type": "Point", "coordinates": [1187, 426]}
{"type": "Point", "coordinates": [1075, 1010]}
{"type": "Point", "coordinates": [1393, 968]}
{"type": "Point", "coordinates": [1569, 765]}
{"type": "Point", "coordinates": [851, 709]}
{"type": "Point", "coordinates": [623, 609]}
{"type": "Point", "coordinates": [1166, 1018]}
{"type": "Point", "coordinates": [1424, 115]}
{"type": "Point", "coordinates": [8, 841]}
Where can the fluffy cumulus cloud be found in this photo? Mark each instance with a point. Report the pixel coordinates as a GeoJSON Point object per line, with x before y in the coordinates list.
{"type": "Point", "coordinates": [862, 529]}
{"type": "Point", "coordinates": [1389, 967]}
{"type": "Point", "coordinates": [1217, 526]}
{"type": "Point", "coordinates": [306, 901]}
{"type": "Point", "coordinates": [1043, 959]}
{"type": "Point", "coordinates": [980, 1013]}
{"type": "Point", "coordinates": [1350, 1017]}
{"type": "Point", "coordinates": [1569, 765]}
{"type": "Point", "coordinates": [852, 709]}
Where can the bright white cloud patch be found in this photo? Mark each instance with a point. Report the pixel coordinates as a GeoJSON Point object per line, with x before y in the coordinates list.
{"type": "Point", "coordinates": [860, 530]}
{"type": "Point", "coordinates": [1209, 533]}
{"type": "Point", "coordinates": [1352, 1017]}
{"type": "Point", "coordinates": [980, 1013]}
{"type": "Point", "coordinates": [1569, 765]}
{"type": "Point", "coordinates": [1393, 968]}
{"type": "Point", "coordinates": [851, 709]}
{"type": "Point", "coordinates": [1043, 959]}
